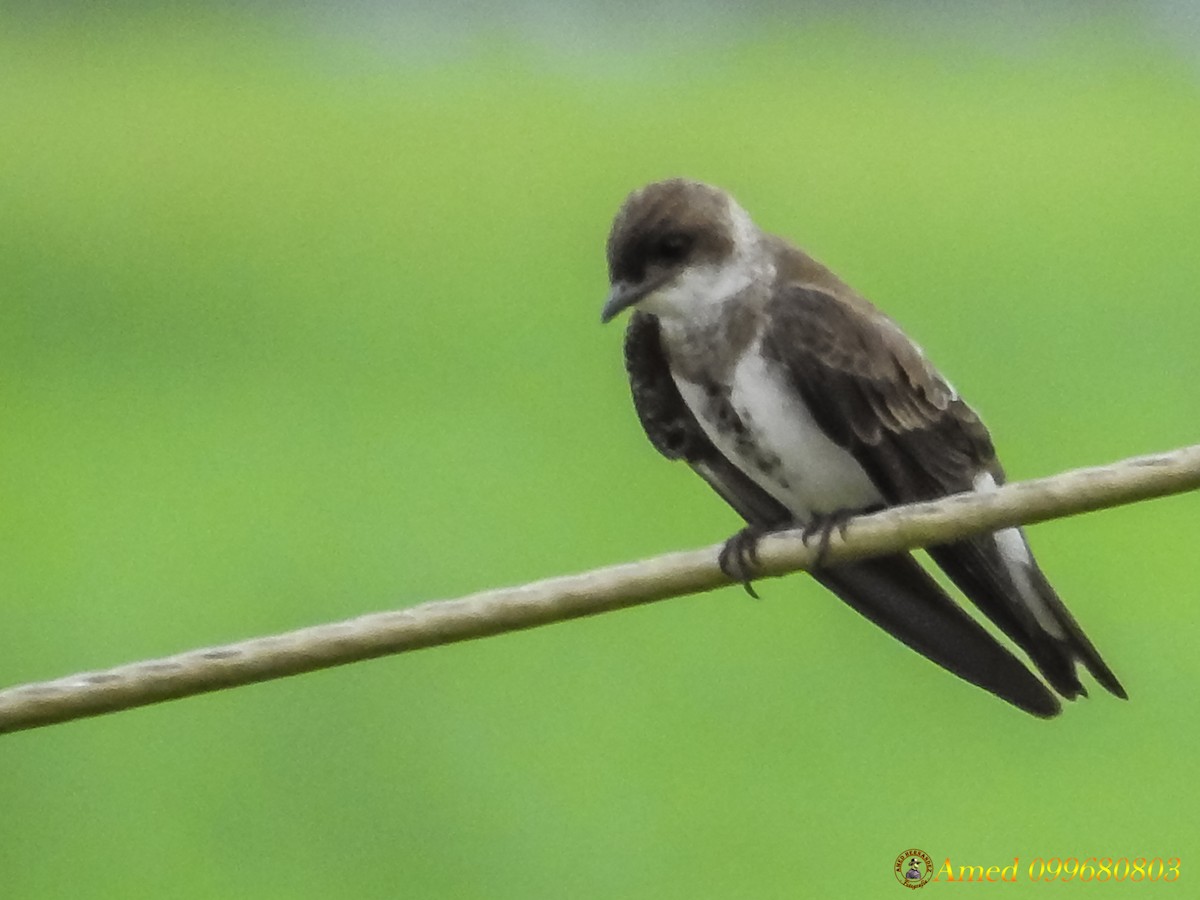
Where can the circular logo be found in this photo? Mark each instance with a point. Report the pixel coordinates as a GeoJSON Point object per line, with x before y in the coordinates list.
{"type": "Point", "coordinates": [913, 868]}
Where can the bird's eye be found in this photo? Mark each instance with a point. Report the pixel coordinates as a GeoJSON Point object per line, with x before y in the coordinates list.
{"type": "Point", "coordinates": [673, 247]}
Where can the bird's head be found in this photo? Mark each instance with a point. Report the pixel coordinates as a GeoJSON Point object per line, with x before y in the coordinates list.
{"type": "Point", "coordinates": [677, 248]}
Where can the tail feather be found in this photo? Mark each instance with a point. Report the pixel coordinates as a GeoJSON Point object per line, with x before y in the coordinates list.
{"type": "Point", "coordinates": [1075, 642]}
{"type": "Point", "coordinates": [900, 597]}
{"type": "Point", "coordinates": [978, 567]}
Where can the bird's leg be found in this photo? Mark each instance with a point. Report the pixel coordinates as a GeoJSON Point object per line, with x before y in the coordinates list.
{"type": "Point", "coordinates": [822, 526]}
{"type": "Point", "coordinates": [738, 559]}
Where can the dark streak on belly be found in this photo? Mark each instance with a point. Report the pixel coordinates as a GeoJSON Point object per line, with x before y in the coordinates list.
{"type": "Point", "coordinates": [720, 411]}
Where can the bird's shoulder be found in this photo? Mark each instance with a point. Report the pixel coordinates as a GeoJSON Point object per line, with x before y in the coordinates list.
{"type": "Point", "coordinates": [664, 416]}
{"type": "Point", "coordinates": [870, 386]}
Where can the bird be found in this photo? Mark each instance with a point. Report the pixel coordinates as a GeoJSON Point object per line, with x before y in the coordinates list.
{"type": "Point", "coordinates": [802, 404]}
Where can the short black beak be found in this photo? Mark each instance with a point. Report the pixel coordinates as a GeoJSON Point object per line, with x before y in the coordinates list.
{"type": "Point", "coordinates": [622, 296]}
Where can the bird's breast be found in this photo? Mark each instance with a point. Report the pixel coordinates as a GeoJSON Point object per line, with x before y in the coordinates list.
{"type": "Point", "coordinates": [760, 422]}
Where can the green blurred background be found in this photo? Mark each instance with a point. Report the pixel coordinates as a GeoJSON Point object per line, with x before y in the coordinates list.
{"type": "Point", "coordinates": [299, 321]}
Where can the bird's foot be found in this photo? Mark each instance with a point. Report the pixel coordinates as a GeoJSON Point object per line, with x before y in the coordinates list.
{"type": "Point", "coordinates": [738, 559]}
{"type": "Point", "coordinates": [822, 526]}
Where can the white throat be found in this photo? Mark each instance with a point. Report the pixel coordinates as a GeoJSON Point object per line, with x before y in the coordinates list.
{"type": "Point", "coordinates": [699, 293]}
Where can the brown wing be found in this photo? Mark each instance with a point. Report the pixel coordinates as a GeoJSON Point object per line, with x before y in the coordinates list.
{"type": "Point", "coordinates": [894, 592]}
{"type": "Point", "coordinates": [874, 393]}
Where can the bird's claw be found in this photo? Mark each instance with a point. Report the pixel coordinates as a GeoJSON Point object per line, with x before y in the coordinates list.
{"type": "Point", "coordinates": [822, 526]}
{"type": "Point", "coordinates": [738, 558]}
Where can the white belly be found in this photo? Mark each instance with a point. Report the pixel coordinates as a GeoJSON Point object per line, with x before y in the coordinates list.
{"type": "Point", "coordinates": [798, 465]}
